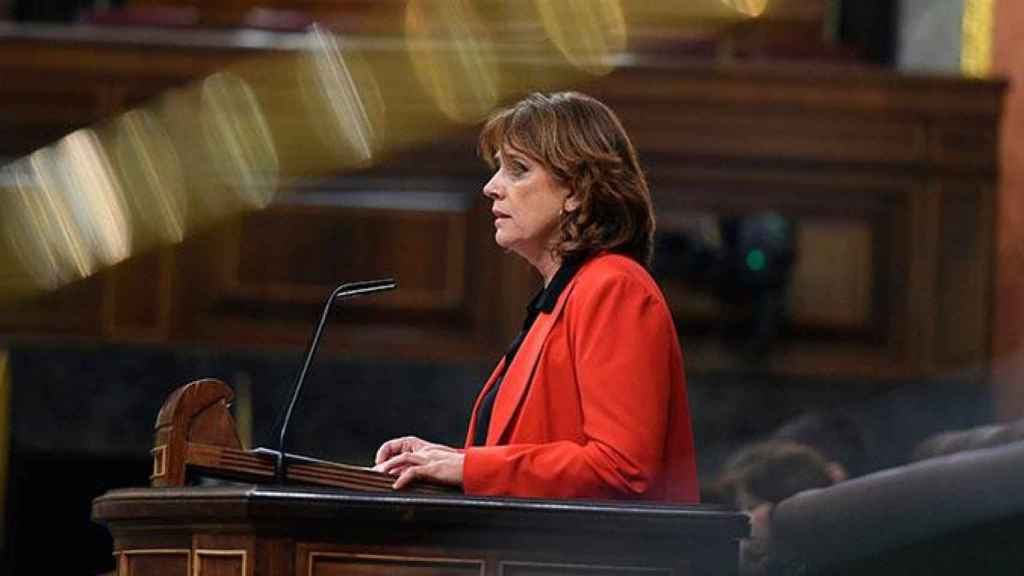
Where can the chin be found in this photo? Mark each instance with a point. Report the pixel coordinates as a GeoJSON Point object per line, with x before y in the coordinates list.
{"type": "Point", "coordinates": [508, 246]}
{"type": "Point", "coordinates": [502, 240]}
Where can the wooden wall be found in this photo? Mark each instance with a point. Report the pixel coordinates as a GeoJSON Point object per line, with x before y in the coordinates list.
{"type": "Point", "coordinates": [890, 178]}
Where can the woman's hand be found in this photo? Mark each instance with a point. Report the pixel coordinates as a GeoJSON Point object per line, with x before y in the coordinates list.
{"type": "Point", "coordinates": [411, 458]}
{"type": "Point", "coordinates": [397, 446]}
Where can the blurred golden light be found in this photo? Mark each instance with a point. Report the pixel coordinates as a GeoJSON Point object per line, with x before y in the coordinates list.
{"type": "Point", "coordinates": [15, 280]}
{"type": "Point", "coordinates": [40, 229]}
{"type": "Point", "coordinates": [238, 141]}
{"type": "Point", "coordinates": [977, 29]}
{"type": "Point", "coordinates": [205, 200]}
{"type": "Point", "coordinates": [95, 196]}
{"type": "Point", "coordinates": [230, 142]}
{"type": "Point", "coordinates": [453, 57]}
{"type": "Point", "coordinates": [151, 172]}
{"type": "Point", "coordinates": [693, 15]}
{"type": "Point", "coordinates": [25, 231]}
{"type": "Point", "coordinates": [752, 8]}
{"type": "Point", "coordinates": [586, 32]}
{"type": "Point", "coordinates": [342, 101]}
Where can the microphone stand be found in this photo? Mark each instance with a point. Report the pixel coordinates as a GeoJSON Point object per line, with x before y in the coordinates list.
{"type": "Point", "coordinates": [342, 292]}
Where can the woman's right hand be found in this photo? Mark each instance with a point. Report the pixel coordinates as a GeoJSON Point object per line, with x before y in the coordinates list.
{"type": "Point", "coordinates": [397, 446]}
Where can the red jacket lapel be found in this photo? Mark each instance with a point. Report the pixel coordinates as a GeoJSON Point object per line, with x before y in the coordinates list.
{"type": "Point", "coordinates": [520, 373]}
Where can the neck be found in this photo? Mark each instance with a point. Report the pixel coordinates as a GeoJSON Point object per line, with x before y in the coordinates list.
{"type": "Point", "coordinates": [547, 264]}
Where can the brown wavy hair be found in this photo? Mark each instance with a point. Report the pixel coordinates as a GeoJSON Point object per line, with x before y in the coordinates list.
{"type": "Point", "coordinates": [582, 144]}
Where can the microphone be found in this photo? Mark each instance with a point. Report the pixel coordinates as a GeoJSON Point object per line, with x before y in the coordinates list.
{"type": "Point", "coordinates": [342, 292]}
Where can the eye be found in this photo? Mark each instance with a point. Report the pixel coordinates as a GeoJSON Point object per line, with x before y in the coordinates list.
{"type": "Point", "coordinates": [517, 168]}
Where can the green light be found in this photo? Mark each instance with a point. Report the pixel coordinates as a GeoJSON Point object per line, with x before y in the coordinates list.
{"type": "Point", "coordinates": [756, 260]}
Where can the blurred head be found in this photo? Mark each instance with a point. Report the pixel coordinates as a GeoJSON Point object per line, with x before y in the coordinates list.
{"type": "Point", "coordinates": [567, 180]}
{"type": "Point", "coordinates": [771, 471]}
{"type": "Point", "coordinates": [836, 436]}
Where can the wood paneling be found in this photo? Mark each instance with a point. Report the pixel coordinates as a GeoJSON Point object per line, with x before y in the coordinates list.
{"type": "Point", "coordinates": [76, 310]}
{"type": "Point", "coordinates": [541, 569]}
{"type": "Point", "coordinates": [835, 257]}
{"type": "Point", "coordinates": [155, 562]}
{"type": "Point", "coordinates": [271, 271]}
{"type": "Point", "coordinates": [322, 563]}
{"type": "Point", "coordinates": [966, 234]}
{"type": "Point", "coordinates": [221, 563]}
{"type": "Point", "coordinates": [889, 178]}
{"type": "Point", "coordinates": [299, 253]}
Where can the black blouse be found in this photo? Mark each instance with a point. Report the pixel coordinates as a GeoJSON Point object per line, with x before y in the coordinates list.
{"type": "Point", "coordinates": [544, 301]}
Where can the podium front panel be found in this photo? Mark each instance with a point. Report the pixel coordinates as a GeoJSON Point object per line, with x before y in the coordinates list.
{"type": "Point", "coordinates": [274, 530]}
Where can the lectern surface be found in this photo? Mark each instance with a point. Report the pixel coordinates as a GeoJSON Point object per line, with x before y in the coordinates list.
{"type": "Point", "coordinates": [252, 530]}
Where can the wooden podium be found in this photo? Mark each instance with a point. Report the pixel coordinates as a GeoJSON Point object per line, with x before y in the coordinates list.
{"type": "Point", "coordinates": [251, 530]}
{"type": "Point", "coordinates": [195, 435]}
{"type": "Point", "coordinates": [332, 519]}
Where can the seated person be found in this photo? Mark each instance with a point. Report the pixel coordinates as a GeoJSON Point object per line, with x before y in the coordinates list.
{"type": "Point", "coordinates": [761, 475]}
{"type": "Point", "coordinates": [771, 471]}
{"type": "Point", "coordinates": [836, 436]}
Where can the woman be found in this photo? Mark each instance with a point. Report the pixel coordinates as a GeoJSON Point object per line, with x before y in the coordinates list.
{"type": "Point", "coordinates": [590, 399]}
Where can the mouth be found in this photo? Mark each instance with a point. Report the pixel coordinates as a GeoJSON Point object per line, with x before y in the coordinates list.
{"type": "Point", "coordinates": [498, 214]}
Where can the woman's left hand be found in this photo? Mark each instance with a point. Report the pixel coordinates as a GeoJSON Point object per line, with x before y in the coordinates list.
{"type": "Point", "coordinates": [436, 464]}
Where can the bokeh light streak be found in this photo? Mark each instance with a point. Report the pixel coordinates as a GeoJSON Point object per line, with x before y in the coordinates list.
{"type": "Point", "coordinates": [94, 195]}
{"type": "Point", "coordinates": [238, 141]}
{"type": "Point", "coordinates": [151, 173]}
{"type": "Point", "coordinates": [695, 14]}
{"type": "Point", "coordinates": [355, 113]}
{"type": "Point", "coordinates": [235, 140]}
{"type": "Point", "coordinates": [752, 8]}
{"type": "Point", "coordinates": [587, 32]}
{"type": "Point", "coordinates": [453, 56]}
{"type": "Point", "coordinates": [27, 231]}
{"type": "Point", "coordinates": [47, 238]}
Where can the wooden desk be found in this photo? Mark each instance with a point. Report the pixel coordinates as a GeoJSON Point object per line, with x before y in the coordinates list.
{"type": "Point", "coordinates": [250, 530]}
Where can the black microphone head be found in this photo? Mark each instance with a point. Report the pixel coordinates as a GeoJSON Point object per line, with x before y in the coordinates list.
{"type": "Point", "coordinates": [366, 287]}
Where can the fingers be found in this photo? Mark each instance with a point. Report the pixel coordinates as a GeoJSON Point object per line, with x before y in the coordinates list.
{"type": "Point", "coordinates": [397, 446]}
{"type": "Point", "coordinates": [389, 449]}
{"type": "Point", "coordinates": [410, 458]}
{"type": "Point", "coordinates": [385, 451]}
{"type": "Point", "coordinates": [407, 467]}
{"type": "Point", "coordinates": [408, 475]}
{"type": "Point", "coordinates": [434, 471]}
{"type": "Point", "coordinates": [405, 444]}
{"type": "Point", "coordinates": [437, 465]}
{"type": "Point", "coordinates": [397, 463]}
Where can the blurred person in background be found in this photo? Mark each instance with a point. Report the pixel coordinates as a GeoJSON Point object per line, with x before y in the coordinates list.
{"type": "Point", "coordinates": [590, 399]}
{"type": "Point", "coordinates": [771, 471]}
{"type": "Point", "coordinates": [759, 476]}
{"type": "Point", "coordinates": [836, 436]}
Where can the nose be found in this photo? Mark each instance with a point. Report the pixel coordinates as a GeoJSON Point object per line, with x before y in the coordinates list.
{"type": "Point", "coordinates": [492, 189]}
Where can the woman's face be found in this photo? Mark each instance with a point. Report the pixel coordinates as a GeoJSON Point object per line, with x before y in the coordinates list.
{"type": "Point", "coordinates": [527, 204]}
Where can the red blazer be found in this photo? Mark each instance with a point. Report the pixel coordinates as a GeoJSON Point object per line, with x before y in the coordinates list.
{"type": "Point", "coordinates": [594, 402]}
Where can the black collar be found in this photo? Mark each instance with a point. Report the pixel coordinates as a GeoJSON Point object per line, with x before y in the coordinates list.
{"type": "Point", "coordinates": [546, 299]}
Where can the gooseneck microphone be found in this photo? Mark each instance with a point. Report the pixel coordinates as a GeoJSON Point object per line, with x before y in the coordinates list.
{"type": "Point", "coordinates": [342, 292]}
